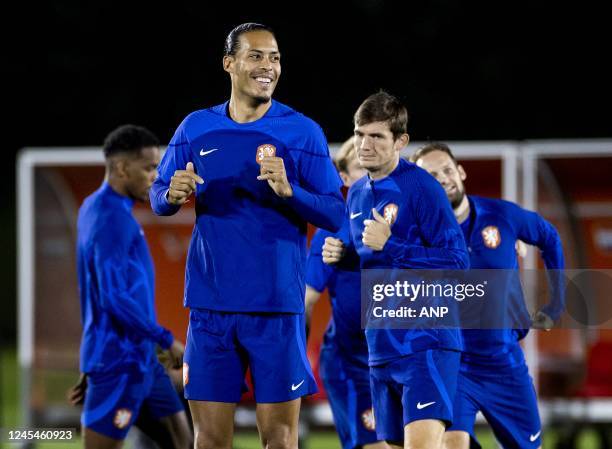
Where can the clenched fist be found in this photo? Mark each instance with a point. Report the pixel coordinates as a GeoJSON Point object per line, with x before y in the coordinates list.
{"type": "Point", "coordinates": [333, 250]}
{"type": "Point", "coordinates": [183, 184]}
{"type": "Point", "coordinates": [376, 232]}
{"type": "Point", "coordinates": [272, 169]}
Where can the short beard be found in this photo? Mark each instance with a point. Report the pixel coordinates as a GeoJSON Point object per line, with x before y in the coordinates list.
{"type": "Point", "coordinates": [456, 201]}
{"type": "Point", "coordinates": [261, 100]}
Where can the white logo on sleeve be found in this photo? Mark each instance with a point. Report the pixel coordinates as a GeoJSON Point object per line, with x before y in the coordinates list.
{"type": "Point", "coordinates": [532, 438]}
{"type": "Point", "coordinates": [422, 406]}
{"type": "Point", "coordinates": [355, 215]}
{"type": "Point", "coordinates": [295, 387]}
{"type": "Point", "coordinates": [204, 153]}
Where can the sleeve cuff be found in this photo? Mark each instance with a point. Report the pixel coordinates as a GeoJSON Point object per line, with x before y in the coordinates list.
{"type": "Point", "coordinates": [168, 208]}
{"type": "Point", "coordinates": [165, 339]}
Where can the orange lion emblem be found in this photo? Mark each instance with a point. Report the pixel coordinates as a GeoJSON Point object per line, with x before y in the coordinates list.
{"type": "Point", "coordinates": [390, 213]}
{"type": "Point", "coordinates": [491, 237]}
{"type": "Point", "coordinates": [265, 150]}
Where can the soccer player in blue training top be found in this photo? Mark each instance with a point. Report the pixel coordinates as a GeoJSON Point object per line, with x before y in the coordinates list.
{"type": "Point", "coordinates": [493, 376]}
{"type": "Point", "coordinates": [260, 171]}
{"type": "Point", "coordinates": [400, 218]}
{"type": "Point", "coordinates": [344, 355]}
{"type": "Point", "coordinates": [116, 286]}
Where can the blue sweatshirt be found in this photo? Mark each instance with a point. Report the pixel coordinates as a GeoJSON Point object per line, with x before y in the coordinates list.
{"type": "Point", "coordinates": [343, 282]}
{"type": "Point", "coordinates": [248, 247]}
{"type": "Point", "coordinates": [116, 287]}
{"type": "Point", "coordinates": [491, 232]}
{"type": "Point", "coordinates": [424, 235]}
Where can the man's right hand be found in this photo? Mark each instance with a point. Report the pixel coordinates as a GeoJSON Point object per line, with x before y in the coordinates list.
{"type": "Point", "coordinates": [76, 395]}
{"type": "Point", "coordinates": [176, 351]}
{"type": "Point", "coordinates": [333, 250]}
{"type": "Point", "coordinates": [183, 184]}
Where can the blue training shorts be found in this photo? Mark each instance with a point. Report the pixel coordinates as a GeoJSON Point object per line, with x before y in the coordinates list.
{"type": "Point", "coordinates": [221, 345]}
{"type": "Point", "coordinates": [347, 383]}
{"type": "Point", "coordinates": [113, 400]}
{"type": "Point", "coordinates": [507, 400]}
{"type": "Point", "coordinates": [415, 387]}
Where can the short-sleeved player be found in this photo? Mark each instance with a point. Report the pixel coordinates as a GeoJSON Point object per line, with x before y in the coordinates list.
{"type": "Point", "coordinates": [493, 377]}
{"type": "Point", "coordinates": [263, 172]}
{"type": "Point", "coordinates": [399, 218]}
{"type": "Point", "coordinates": [116, 285]}
{"type": "Point", "coordinates": [344, 354]}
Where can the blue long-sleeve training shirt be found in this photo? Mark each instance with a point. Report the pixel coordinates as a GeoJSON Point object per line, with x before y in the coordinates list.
{"type": "Point", "coordinates": [116, 287]}
{"type": "Point", "coordinates": [343, 282]}
{"type": "Point", "coordinates": [248, 247]}
{"type": "Point", "coordinates": [424, 235]}
{"type": "Point", "coordinates": [491, 231]}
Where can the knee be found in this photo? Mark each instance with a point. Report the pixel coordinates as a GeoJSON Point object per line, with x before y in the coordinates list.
{"type": "Point", "coordinates": [281, 437]}
{"type": "Point", "coordinates": [212, 440]}
{"type": "Point", "coordinates": [456, 440]}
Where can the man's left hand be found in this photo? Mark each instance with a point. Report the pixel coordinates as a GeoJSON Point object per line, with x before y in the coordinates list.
{"type": "Point", "coordinates": [272, 169]}
{"type": "Point", "coordinates": [376, 232]}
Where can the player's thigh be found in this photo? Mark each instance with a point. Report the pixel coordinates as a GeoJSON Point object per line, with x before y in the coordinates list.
{"type": "Point", "coordinates": [275, 345]}
{"type": "Point", "coordinates": [424, 434]}
{"type": "Point", "coordinates": [511, 408]}
{"type": "Point", "coordinates": [214, 366]}
{"type": "Point", "coordinates": [468, 401]}
{"type": "Point", "coordinates": [112, 402]}
{"type": "Point", "coordinates": [387, 406]}
{"type": "Point", "coordinates": [429, 380]}
{"type": "Point", "coordinates": [95, 440]}
{"type": "Point", "coordinates": [213, 424]}
{"type": "Point", "coordinates": [347, 384]}
{"type": "Point", "coordinates": [456, 439]}
{"type": "Point", "coordinates": [278, 423]}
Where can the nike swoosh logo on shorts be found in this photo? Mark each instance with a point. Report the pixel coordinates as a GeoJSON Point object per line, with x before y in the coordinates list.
{"type": "Point", "coordinates": [295, 387]}
{"type": "Point", "coordinates": [422, 406]}
{"type": "Point", "coordinates": [204, 153]}
{"type": "Point", "coordinates": [532, 438]}
{"type": "Point", "coordinates": [356, 215]}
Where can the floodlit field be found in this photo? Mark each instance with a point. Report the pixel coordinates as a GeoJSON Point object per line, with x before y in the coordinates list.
{"type": "Point", "coordinates": [242, 440]}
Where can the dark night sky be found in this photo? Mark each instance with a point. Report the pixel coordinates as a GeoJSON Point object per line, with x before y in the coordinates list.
{"type": "Point", "coordinates": [466, 70]}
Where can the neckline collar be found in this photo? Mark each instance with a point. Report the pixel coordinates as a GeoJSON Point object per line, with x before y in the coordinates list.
{"type": "Point", "coordinates": [109, 191]}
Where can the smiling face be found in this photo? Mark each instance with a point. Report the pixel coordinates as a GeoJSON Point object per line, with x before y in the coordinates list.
{"type": "Point", "coordinates": [377, 149]}
{"type": "Point", "coordinates": [255, 67]}
{"type": "Point", "coordinates": [448, 173]}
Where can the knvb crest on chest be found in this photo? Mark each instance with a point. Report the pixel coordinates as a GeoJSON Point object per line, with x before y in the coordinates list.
{"type": "Point", "coordinates": [491, 237]}
{"type": "Point", "coordinates": [390, 213]}
{"type": "Point", "coordinates": [265, 150]}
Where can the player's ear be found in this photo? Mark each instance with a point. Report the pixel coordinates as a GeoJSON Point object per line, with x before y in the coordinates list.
{"type": "Point", "coordinates": [401, 141]}
{"type": "Point", "coordinates": [120, 166]}
{"type": "Point", "coordinates": [462, 173]}
{"type": "Point", "coordinates": [228, 63]}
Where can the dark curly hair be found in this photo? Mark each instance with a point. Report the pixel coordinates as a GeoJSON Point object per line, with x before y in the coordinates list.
{"type": "Point", "coordinates": [128, 139]}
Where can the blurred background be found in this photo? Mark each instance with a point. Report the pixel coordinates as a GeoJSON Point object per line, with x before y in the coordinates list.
{"type": "Point", "coordinates": [505, 75]}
